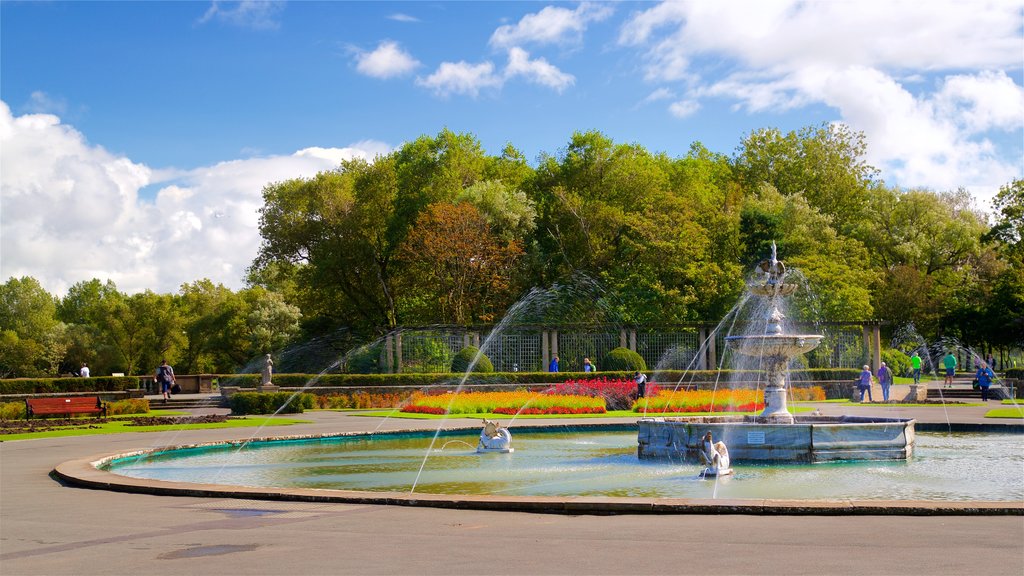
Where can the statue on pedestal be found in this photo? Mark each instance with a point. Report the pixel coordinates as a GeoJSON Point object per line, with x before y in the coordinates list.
{"type": "Point", "coordinates": [714, 456]}
{"type": "Point", "coordinates": [494, 438]}
{"type": "Point", "coordinates": [268, 370]}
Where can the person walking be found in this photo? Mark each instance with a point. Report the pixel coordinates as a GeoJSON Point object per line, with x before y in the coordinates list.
{"type": "Point", "coordinates": [915, 363]}
{"type": "Point", "coordinates": [84, 372]}
{"type": "Point", "coordinates": [864, 383]}
{"type": "Point", "coordinates": [885, 379]}
{"type": "Point", "coordinates": [984, 375]}
{"type": "Point", "coordinates": [949, 363]}
{"type": "Point", "coordinates": [165, 377]}
{"type": "Point", "coordinates": [553, 366]}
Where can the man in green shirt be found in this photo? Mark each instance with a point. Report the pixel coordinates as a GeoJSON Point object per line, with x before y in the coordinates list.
{"type": "Point", "coordinates": [915, 363]}
{"type": "Point", "coordinates": [949, 362]}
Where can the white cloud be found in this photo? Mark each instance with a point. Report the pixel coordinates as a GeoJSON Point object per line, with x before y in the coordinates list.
{"type": "Point", "coordinates": [684, 108]}
{"type": "Point", "coordinates": [42, 103]}
{"type": "Point", "coordinates": [72, 210]}
{"type": "Point", "coordinates": [989, 100]}
{"type": "Point", "coordinates": [386, 61]}
{"type": "Point", "coordinates": [461, 78]}
{"type": "Point", "coordinates": [552, 25]}
{"type": "Point", "coordinates": [538, 71]}
{"type": "Point", "coordinates": [399, 17]}
{"type": "Point", "coordinates": [255, 14]}
{"type": "Point", "coordinates": [870, 61]}
{"type": "Point", "coordinates": [659, 94]}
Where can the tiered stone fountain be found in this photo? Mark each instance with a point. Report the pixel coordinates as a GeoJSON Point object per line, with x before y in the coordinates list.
{"type": "Point", "coordinates": [775, 434]}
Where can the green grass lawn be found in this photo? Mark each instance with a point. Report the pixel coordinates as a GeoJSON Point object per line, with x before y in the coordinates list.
{"type": "Point", "coordinates": [909, 380]}
{"type": "Point", "coordinates": [119, 427]}
{"type": "Point", "coordinates": [1013, 402]}
{"type": "Point", "coordinates": [1012, 412]}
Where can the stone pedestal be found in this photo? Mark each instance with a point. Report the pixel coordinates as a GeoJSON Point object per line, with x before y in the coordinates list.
{"type": "Point", "coordinates": [268, 388]}
{"type": "Point", "coordinates": [918, 393]}
{"type": "Point", "coordinates": [776, 410]}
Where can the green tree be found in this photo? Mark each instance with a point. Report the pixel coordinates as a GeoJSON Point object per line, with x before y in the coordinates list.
{"type": "Point", "coordinates": [34, 341]}
{"type": "Point", "coordinates": [834, 265]}
{"type": "Point", "coordinates": [1008, 229]}
{"type": "Point", "coordinates": [636, 221]}
{"type": "Point", "coordinates": [825, 164]}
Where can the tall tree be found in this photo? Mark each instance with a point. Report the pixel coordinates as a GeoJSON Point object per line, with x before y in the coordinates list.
{"type": "Point", "coordinates": [459, 263]}
{"type": "Point", "coordinates": [825, 164]}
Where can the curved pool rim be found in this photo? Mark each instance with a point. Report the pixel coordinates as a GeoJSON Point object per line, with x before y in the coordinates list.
{"type": "Point", "coordinates": [87, 473]}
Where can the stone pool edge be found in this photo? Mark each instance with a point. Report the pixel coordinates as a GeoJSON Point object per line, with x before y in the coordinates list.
{"type": "Point", "coordinates": [85, 472]}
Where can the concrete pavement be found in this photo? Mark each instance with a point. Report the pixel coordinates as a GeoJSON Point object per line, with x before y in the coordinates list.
{"type": "Point", "coordinates": [48, 528]}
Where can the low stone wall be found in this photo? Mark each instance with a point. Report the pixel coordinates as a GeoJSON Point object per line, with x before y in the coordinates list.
{"type": "Point", "coordinates": [809, 439]}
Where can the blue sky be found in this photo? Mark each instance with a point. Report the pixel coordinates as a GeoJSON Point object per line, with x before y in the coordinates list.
{"type": "Point", "coordinates": [148, 129]}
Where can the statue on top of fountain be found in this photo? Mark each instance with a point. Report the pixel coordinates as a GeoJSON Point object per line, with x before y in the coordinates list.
{"type": "Point", "coordinates": [714, 456]}
{"type": "Point", "coordinates": [494, 438]}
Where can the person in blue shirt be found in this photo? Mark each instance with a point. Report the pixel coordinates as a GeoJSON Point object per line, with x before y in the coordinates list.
{"type": "Point", "coordinates": [984, 377]}
{"type": "Point", "coordinates": [885, 379]}
{"type": "Point", "coordinates": [588, 366]}
{"type": "Point", "coordinates": [864, 383]}
{"type": "Point", "coordinates": [553, 367]}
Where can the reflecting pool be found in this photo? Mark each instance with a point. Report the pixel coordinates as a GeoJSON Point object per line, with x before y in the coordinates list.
{"type": "Point", "coordinates": [944, 467]}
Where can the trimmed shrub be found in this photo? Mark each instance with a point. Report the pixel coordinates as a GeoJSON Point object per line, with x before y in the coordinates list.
{"type": "Point", "coordinates": [623, 359]}
{"type": "Point", "coordinates": [271, 403]}
{"type": "Point", "coordinates": [129, 406]}
{"type": "Point", "coordinates": [12, 411]}
{"type": "Point", "coordinates": [898, 362]}
{"type": "Point", "coordinates": [465, 357]}
{"type": "Point", "coordinates": [60, 385]}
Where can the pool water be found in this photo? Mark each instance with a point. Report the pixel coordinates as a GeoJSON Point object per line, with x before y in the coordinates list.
{"type": "Point", "coordinates": [945, 467]}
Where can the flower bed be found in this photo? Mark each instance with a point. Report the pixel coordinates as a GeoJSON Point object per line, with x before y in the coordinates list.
{"type": "Point", "coordinates": [491, 402]}
{"type": "Point", "coordinates": [702, 401]}
{"type": "Point", "coordinates": [552, 410]}
{"type": "Point", "coordinates": [618, 393]}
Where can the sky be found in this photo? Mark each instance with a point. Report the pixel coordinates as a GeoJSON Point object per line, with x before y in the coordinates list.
{"type": "Point", "coordinates": [136, 137]}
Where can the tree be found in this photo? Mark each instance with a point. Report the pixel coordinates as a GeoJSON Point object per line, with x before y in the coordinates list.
{"type": "Point", "coordinates": [337, 231]}
{"type": "Point", "coordinates": [1008, 229]}
{"type": "Point", "coordinates": [204, 307]}
{"type": "Point", "coordinates": [835, 266]}
{"type": "Point", "coordinates": [34, 341]}
{"type": "Point", "coordinates": [454, 257]}
{"type": "Point", "coordinates": [825, 164]}
{"type": "Point", "coordinates": [635, 221]}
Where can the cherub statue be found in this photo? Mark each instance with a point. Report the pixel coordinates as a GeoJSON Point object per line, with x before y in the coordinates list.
{"type": "Point", "coordinates": [714, 456]}
{"type": "Point", "coordinates": [494, 438]}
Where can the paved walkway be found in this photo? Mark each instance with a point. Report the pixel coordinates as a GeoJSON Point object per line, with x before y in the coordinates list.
{"type": "Point", "coordinates": [47, 528]}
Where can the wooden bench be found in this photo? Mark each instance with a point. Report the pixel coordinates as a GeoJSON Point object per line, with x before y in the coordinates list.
{"type": "Point", "coordinates": [69, 406]}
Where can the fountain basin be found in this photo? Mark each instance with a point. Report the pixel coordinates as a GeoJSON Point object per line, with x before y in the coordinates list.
{"type": "Point", "coordinates": [774, 345]}
{"type": "Point", "coordinates": [808, 439]}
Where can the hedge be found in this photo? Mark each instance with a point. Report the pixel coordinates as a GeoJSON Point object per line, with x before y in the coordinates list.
{"type": "Point", "coordinates": [271, 402]}
{"type": "Point", "coordinates": [111, 383]}
{"type": "Point", "coordinates": [59, 385]}
{"type": "Point", "coordinates": [425, 380]}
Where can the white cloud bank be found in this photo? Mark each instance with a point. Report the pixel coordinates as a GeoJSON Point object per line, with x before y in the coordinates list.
{"type": "Point", "coordinates": [864, 59]}
{"type": "Point", "coordinates": [72, 211]}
